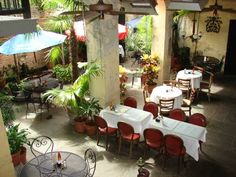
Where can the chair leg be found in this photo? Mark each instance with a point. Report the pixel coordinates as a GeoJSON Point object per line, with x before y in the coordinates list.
{"type": "Point", "coordinates": [209, 96]}
{"type": "Point", "coordinates": [119, 148]}
{"type": "Point", "coordinates": [179, 161]}
{"type": "Point", "coordinates": [190, 108]}
{"type": "Point", "coordinates": [98, 137]}
{"type": "Point", "coordinates": [107, 142]}
{"type": "Point", "coordinates": [130, 149]}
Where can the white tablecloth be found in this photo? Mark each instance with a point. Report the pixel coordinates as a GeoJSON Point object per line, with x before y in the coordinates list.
{"type": "Point", "coordinates": [139, 119]}
{"type": "Point", "coordinates": [195, 78]}
{"type": "Point", "coordinates": [190, 134]}
{"type": "Point", "coordinates": [166, 92]}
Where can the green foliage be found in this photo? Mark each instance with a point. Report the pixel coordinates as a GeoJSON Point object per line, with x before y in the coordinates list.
{"type": "Point", "coordinates": [6, 106]}
{"type": "Point", "coordinates": [16, 138]}
{"type": "Point", "coordinates": [54, 55]}
{"type": "Point", "coordinates": [66, 97]}
{"type": "Point", "coordinates": [141, 40]}
{"type": "Point", "coordinates": [59, 23]}
{"type": "Point", "coordinates": [63, 73]}
{"type": "Point", "coordinates": [87, 108]}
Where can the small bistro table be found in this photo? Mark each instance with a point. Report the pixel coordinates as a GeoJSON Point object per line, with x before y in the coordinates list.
{"type": "Point", "coordinates": [195, 77]}
{"type": "Point", "coordinates": [167, 92]}
{"type": "Point", "coordinates": [75, 165]}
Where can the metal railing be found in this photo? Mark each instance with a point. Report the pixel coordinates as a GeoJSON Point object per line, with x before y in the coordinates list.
{"type": "Point", "coordinates": [9, 7]}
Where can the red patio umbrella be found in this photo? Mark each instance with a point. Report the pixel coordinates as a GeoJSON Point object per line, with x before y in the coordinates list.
{"type": "Point", "coordinates": [80, 34]}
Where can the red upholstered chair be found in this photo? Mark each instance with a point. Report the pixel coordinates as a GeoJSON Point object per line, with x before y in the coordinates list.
{"type": "Point", "coordinates": [174, 146]}
{"type": "Point", "coordinates": [152, 108]}
{"type": "Point", "coordinates": [127, 134]}
{"type": "Point", "coordinates": [153, 139]}
{"type": "Point", "coordinates": [177, 114]}
{"type": "Point", "coordinates": [200, 120]}
{"type": "Point", "coordinates": [103, 129]}
{"type": "Point", "coordinates": [131, 102]}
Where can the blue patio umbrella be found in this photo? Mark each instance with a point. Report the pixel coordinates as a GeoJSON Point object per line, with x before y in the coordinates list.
{"type": "Point", "coordinates": [133, 23]}
{"type": "Point", "coordinates": [31, 42]}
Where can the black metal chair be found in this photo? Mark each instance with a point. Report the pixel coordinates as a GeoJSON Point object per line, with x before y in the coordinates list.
{"type": "Point", "coordinates": [42, 148]}
{"type": "Point", "coordinates": [90, 160]}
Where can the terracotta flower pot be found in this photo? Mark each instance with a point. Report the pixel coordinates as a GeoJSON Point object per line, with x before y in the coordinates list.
{"type": "Point", "coordinates": [16, 158]}
{"type": "Point", "coordinates": [23, 155]}
{"type": "Point", "coordinates": [79, 126]}
{"type": "Point", "coordinates": [91, 130]}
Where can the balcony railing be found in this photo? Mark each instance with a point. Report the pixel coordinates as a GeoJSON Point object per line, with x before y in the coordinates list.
{"type": "Point", "coordinates": [9, 7]}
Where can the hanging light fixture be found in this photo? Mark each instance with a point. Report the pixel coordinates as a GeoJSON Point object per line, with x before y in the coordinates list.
{"type": "Point", "coordinates": [213, 22]}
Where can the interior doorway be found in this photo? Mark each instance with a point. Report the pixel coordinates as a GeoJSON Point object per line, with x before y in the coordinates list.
{"type": "Point", "coordinates": [230, 60]}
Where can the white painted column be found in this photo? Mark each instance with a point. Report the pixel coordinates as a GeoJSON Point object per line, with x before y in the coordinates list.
{"type": "Point", "coordinates": [161, 44]}
{"type": "Point", "coordinates": [102, 45]}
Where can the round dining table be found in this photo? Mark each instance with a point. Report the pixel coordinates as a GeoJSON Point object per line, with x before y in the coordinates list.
{"type": "Point", "coordinates": [167, 92]}
{"type": "Point", "coordinates": [195, 77]}
{"type": "Point", "coordinates": [73, 165]}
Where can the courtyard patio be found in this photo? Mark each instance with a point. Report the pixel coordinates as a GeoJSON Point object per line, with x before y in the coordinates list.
{"type": "Point", "coordinates": [218, 158]}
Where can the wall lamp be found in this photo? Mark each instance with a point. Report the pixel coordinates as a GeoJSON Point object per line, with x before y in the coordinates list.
{"type": "Point", "coordinates": [193, 37]}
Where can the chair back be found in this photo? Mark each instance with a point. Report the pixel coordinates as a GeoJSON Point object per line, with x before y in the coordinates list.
{"type": "Point", "coordinates": [198, 119]}
{"type": "Point", "coordinates": [198, 68]}
{"type": "Point", "coordinates": [126, 130]}
{"type": "Point", "coordinates": [153, 137]}
{"type": "Point", "coordinates": [41, 145]}
{"type": "Point", "coordinates": [90, 159]}
{"type": "Point", "coordinates": [177, 114]}
{"type": "Point", "coordinates": [146, 94]}
{"type": "Point", "coordinates": [101, 123]}
{"type": "Point", "coordinates": [131, 102]}
{"type": "Point", "coordinates": [170, 82]}
{"type": "Point", "coordinates": [152, 108]}
{"type": "Point", "coordinates": [184, 84]}
{"type": "Point", "coordinates": [173, 145]}
{"type": "Point", "coordinates": [166, 106]}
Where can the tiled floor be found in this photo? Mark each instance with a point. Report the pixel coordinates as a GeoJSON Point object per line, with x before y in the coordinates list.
{"type": "Point", "coordinates": [218, 159]}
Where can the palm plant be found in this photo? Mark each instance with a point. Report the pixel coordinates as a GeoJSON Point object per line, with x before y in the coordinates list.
{"type": "Point", "coordinates": [80, 88]}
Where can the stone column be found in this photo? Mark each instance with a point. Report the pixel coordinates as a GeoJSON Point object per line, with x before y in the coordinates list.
{"type": "Point", "coordinates": [161, 44]}
{"type": "Point", "coordinates": [6, 166]}
{"type": "Point", "coordinates": [102, 45]}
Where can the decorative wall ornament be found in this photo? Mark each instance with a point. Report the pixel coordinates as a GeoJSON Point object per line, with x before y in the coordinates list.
{"type": "Point", "coordinates": [213, 23]}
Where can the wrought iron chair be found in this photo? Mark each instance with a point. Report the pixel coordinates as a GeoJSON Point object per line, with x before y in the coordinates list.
{"type": "Point", "coordinates": [152, 108]}
{"type": "Point", "coordinates": [103, 129]}
{"type": "Point", "coordinates": [90, 160]}
{"type": "Point", "coordinates": [166, 106]}
{"type": "Point", "coordinates": [131, 102]}
{"type": "Point", "coordinates": [42, 147]}
{"type": "Point", "coordinates": [177, 114]}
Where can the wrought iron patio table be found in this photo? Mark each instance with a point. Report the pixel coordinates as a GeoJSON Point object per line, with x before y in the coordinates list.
{"type": "Point", "coordinates": [75, 166]}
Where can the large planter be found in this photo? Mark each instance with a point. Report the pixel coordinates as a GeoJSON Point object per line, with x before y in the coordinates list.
{"type": "Point", "coordinates": [16, 158]}
{"type": "Point", "coordinates": [79, 126]}
{"type": "Point", "coordinates": [23, 155]}
{"type": "Point", "coordinates": [91, 129]}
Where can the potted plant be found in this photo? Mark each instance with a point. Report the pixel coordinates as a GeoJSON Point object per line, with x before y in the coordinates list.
{"type": "Point", "coordinates": [63, 73]}
{"type": "Point", "coordinates": [6, 107]}
{"type": "Point", "coordinates": [151, 68]}
{"type": "Point", "coordinates": [67, 97]}
{"type": "Point", "coordinates": [16, 139]}
{"type": "Point", "coordinates": [88, 108]}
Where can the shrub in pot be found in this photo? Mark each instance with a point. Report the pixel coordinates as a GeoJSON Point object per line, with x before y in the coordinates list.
{"type": "Point", "coordinates": [16, 139]}
{"type": "Point", "coordinates": [88, 108]}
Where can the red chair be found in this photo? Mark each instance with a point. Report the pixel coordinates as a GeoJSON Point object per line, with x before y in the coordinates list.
{"type": "Point", "coordinates": [127, 134]}
{"type": "Point", "coordinates": [174, 146]}
{"type": "Point", "coordinates": [153, 139]}
{"type": "Point", "coordinates": [152, 108]}
{"type": "Point", "coordinates": [200, 120]}
{"type": "Point", "coordinates": [131, 102]}
{"type": "Point", "coordinates": [103, 129]}
{"type": "Point", "coordinates": [177, 114]}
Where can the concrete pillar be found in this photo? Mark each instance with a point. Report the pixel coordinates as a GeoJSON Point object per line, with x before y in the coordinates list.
{"type": "Point", "coordinates": [161, 44]}
{"type": "Point", "coordinates": [6, 166]}
{"type": "Point", "coordinates": [102, 45]}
